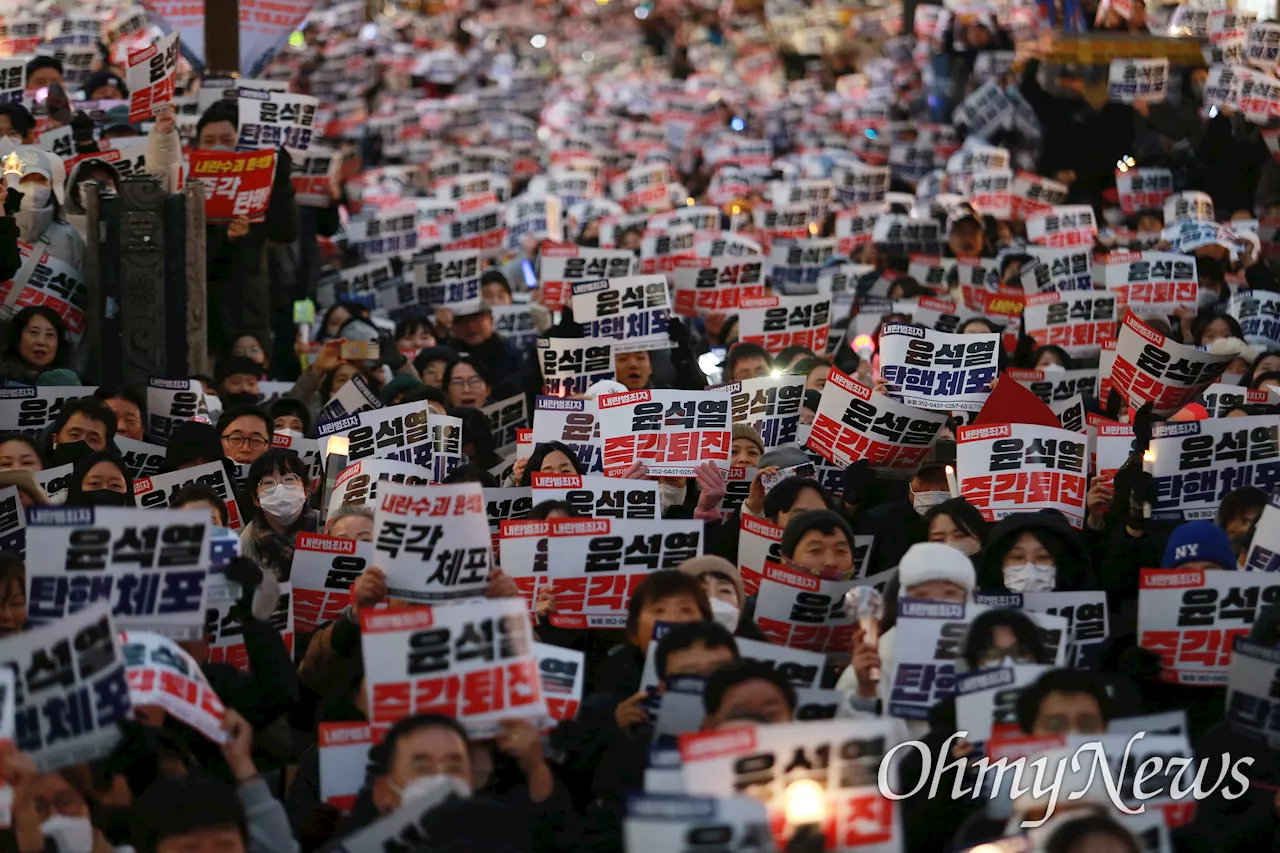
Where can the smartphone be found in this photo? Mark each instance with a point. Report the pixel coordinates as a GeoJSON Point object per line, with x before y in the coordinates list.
{"type": "Point", "coordinates": [768, 481]}
{"type": "Point", "coordinates": [361, 351]}
{"type": "Point", "coordinates": [57, 104]}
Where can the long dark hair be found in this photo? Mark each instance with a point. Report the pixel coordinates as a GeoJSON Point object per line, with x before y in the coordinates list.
{"type": "Point", "coordinates": [963, 515]}
{"type": "Point", "coordinates": [76, 492]}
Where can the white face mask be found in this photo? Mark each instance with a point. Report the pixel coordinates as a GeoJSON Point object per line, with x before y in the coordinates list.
{"type": "Point", "coordinates": [34, 197]}
{"type": "Point", "coordinates": [437, 786]}
{"type": "Point", "coordinates": [1053, 368]}
{"type": "Point", "coordinates": [283, 503]}
{"type": "Point", "coordinates": [672, 495]}
{"type": "Point", "coordinates": [1232, 378]}
{"type": "Point", "coordinates": [1030, 577]}
{"type": "Point", "coordinates": [725, 614]}
{"type": "Point", "coordinates": [69, 834]}
{"type": "Point", "coordinates": [925, 501]}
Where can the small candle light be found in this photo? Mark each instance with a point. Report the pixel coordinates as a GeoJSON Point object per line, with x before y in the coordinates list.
{"type": "Point", "coordinates": [1148, 461]}
{"type": "Point", "coordinates": [952, 483]}
{"type": "Point", "coordinates": [12, 169]}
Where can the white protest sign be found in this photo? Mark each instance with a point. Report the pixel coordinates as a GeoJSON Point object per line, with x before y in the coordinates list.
{"type": "Point", "coordinates": [987, 700]}
{"type": "Point", "coordinates": [142, 458]}
{"type": "Point", "coordinates": [1264, 549]}
{"type": "Point", "coordinates": [150, 75]}
{"type": "Point", "coordinates": [802, 611]}
{"type": "Point", "coordinates": [353, 397]}
{"type": "Point", "coordinates": [275, 120]}
{"type": "Point", "coordinates": [1011, 468]}
{"type": "Point", "coordinates": [161, 673]}
{"type": "Point", "coordinates": [1151, 282]}
{"type": "Point", "coordinates": [1078, 321]}
{"type": "Point", "coordinates": [472, 661]}
{"type": "Point", "coordinates": [1057, 269]}
{"type": "Point", "coordinates": [854, 422]}
{"type": "Point", "coordinates": [171, 401]}
{"type": "Point", "coordinates": [1190, 617]}
{"type": "Point", "coordinates": [1259, 314]}
{"type": "Point", "coordinates": [358, 483]}
{"type": "Point", "coordinates": [1197, 463]}
{"type": "Point", "coordinates": [1250, 706]}
{"type": "Point", "coordinates": [402, 433]}
{"type": "Point", "coordinates": [598, 562]}
{"type": "Point", "coordinates": [324, 569]}
{"type": "Point", "coordinates": [573, 424]}
{"type": "Point", "coordinates": [562, 674]}
{"type": "Point", "coordinates": [1131, 80]}
{"type": "Point", "coordinates": [704, 284]}
{"type": "Point", "coordinates": [560, 266]}
{"type": "Point", "coordinates": [344, 753]}
{"type": "Point", "coordinates": [31, 409]}
{"type": "Point", "coordinates": [1149, 367]}
{"type": "Point", "coordinates": [598, 496]}
{"type": "Point", "coordinates": [150, 565]}
{"type": "Point", "coordinates": [1143, 189]}
{"type": "Point", "coordinates": [432, 541]}
{"type": "Point", "coordinates": [73, 663]}
{"type": "Point", "coordinates": [777, 322]}
{"type": "Point", "coordinates": [671, 431]}
{"type": "Point", "coordinates": [633, 311]}
{"type": "Point", "coordinates": [450, 280]}
{"type": "Point", "coordinates": [768, 404]}
{"type": "Point", "coordinates": [938, 370]}
{"type": "Point", "coordinates": [158, 491]}
{"type": "Point", "coordinates": [1063, 225]}
{"type": "Point", "coordinates": [572, 365]}
{"type": "Point", "coordinates": [664, 822]}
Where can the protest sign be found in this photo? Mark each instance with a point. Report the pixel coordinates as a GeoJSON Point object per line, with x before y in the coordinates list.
{"type": "Point", "coordinates": [572, 365]}
{"type": "Point", "coordinates": [680, 705]}
{"type": "Point", "coordinates": [597, 496]}
{"type": "Point", "coordinates": [987, 700]}
{"type": "Point", "coordinates": [938, 370]}
{"type": "Point", "coordinates": [432, 541]}
{"type": "Point", "coordinates": [450, 280]}
{"type": "Point", "coordinates": [1150, 282]}
{"type": "Point", "coordinates": [31, 409]}
{"type": "Point", "coordinates": [150, 74]}
{"type": "Point", "coordinates": [13, 78]}
{"type": "Point", "coordinates": [1252, 707]}
{"type": "Point", "coordinates": [667, 822]}
{"type": "Point", "coordinates": [855, 225]}
{"type": "Point", "coordinates": [142, 458]}
{"type": "Point", "coordinates": [161, 673]}
{"type": "Point", "coordinates": [358, 282]}
{"type": "Point", "coordinates": [777, 322]}
{"type": "Point", "coordinates": [632, 311]}
{"type": "Point", "coordinates": [472, 661]}
{"type": "Point", "coordinates": [1220, 398]}
{"type": "Point", "coordinates": [560, 266]}
{"type": "Point", "coordinates": [55, 482]}
{"type": "Point", "coordinates": [1149, 367]}
{"type": "Point", "coordinates": [353, 397]}
{"type": "Point", "coordinates": [384, 233]}
{"type": "Point", "coordinates": [515, 324]}
{"type": "Point", "coordinates": [539, 218]}
{"type": "Point", "coordinates": [1192, 204]}
{"type": "Point", "coordinates": [1010, 468]}
{"type": "Point", "coordinates": [13, 521]}
{"type": "Point", "coordinates": [271, 120]}
{"type": "Point", "coordinates": [768, 404]}
{"type": "Point", "coordinates": [1264, 548]}
{"type": "Point", "coordinates": [324, 569]}
{"type": "Point", "coordinates": [402, 433]}
{"type": "Point", "coordinates": [942, 315]}
{"type": "Point", "coordinates": [1259, 314]}
{"type": "Point", "coordinates": [506, 419]}
{"type": "Point", "coordinates": [797, 609]}
{"type": "Point", "coordinates": [156, 492]}
{"type": "Point", "coordinates": [854, 422]}
{"type": "Point", "coordinates": [224, 627]}
{"type": "Point", "coordinates": [573, 423]}
{"type": "Point", "coordinates": [505, 504]}
{"type": "Point", "coordinates": [1143, 189]}
{"type": "Point", "coordinates": [235, 183]}
{"type": "Point", "coordinates": [1057, 269]}
{"type": "Point", "coordinates": [659, 250]}
{"type": "Point", "coordinates": [704, 284]}
{"type": "Point", "coordinates": [1197, 463]}
{"type": "Point", "coordinates": [344, 753]}
{"type": "Point", "coordinates": [598, 562]}
{"type": "Point", "coordinates": [51, 282]}
{"type": "Point", "coordinates": [358, 483]}
{"type": "Point", "coordinates": [794, 266]}
{"type": "Point", "coordinates": [562, 673]}
{"type": "Point", "coordinates": [761, 760]}
{"type": "Point", "coordinates": [1078, 321]}
{"type": "Point", "coordinates": [72, 666]}
{"type": "Point", "coordinates": [1085, 612]}
{"type": "Point", "coordinates": [314, 175]}
{"type": "Point", "coordinates": [1132, 80]}
{"type": "Point", "coordinates": [1063, 225]}
{"type": "Point", "coordinates": [150, 565]}
{"type": "Point", "coordinates": [171, 401]}
{"type": "Point", "coordinates": [1056, 386]}
{"type": "Point", "coordinates": [1189, 617]}
{"type": "Point", "coordinates": [671, 431]}
{"type": "Point", "coordinates": [446, 445]}
{"type": "Point", "coordinates": [933, 272]}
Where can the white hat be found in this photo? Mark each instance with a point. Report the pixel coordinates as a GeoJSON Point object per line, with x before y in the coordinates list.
{"type": "Point", "coordinates": [933, 561]}
{"type": "Point", "coordinates": [605, 386]}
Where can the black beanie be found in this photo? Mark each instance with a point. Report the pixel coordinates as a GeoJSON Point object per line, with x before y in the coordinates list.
{"type": "Point", "coordinates": [821, 519]}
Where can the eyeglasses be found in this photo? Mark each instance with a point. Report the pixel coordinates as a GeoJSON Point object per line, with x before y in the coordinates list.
{"type": "Point", "coordinates": [236, 441]}
{"type": "Point", "coordinates": [469, 382]}
{"type": "Point", "coordinates": [286, 480]}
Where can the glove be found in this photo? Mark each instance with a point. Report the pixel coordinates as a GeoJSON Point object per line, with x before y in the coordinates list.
{"type": "Point", "coordinates": [678, 332]}
{"type": "Point", "coordinates": [261, 589]}
{"type": "Point", "coordinates": [12, 201]}
{"type": "Point", "coordinates": [284, 168]}
{"type": "Point", "coordinates": [858, 477]}
{"type": "Point", "coordinates": [82, 132]}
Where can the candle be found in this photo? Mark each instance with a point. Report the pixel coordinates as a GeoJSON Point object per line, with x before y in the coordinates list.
{"type": "Point", "coordinates": [952, 483]}
{"type": "Point", "coordinates": [1148, 461]}
{"type": "Point", "coordinates": [12, 169]}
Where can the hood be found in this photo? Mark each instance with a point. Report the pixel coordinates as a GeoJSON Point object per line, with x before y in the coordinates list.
{"type": "Point", "coordinates": [1075, 570]}
{"type": "Point", "coordinates": [73, 204]}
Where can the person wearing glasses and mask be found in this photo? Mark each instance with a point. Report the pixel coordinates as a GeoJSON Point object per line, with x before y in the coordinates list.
{"type": "Point", "coordinates": [278, 483]}
{"type": "Point", "coordinates": [245, 433]}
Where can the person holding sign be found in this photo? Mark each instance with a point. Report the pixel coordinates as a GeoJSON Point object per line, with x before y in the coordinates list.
{"type": "Point", "coordinates": [280, 487]}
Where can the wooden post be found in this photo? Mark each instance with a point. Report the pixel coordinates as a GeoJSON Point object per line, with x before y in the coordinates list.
{"type": "Point", "coordinates": [222, 38]}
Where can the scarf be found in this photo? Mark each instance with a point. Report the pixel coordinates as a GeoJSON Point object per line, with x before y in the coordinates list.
{"type": "Point", "coordinates": [275, 550]}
